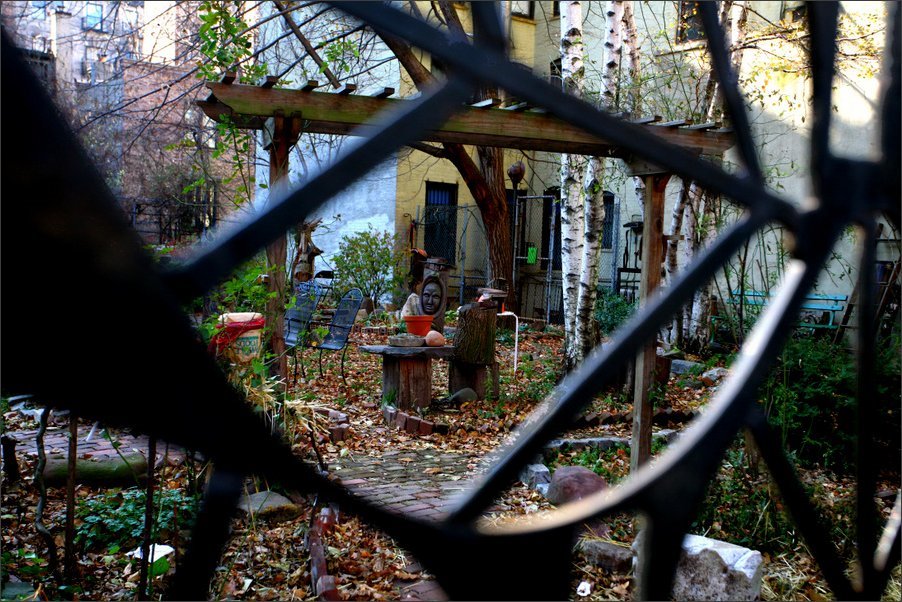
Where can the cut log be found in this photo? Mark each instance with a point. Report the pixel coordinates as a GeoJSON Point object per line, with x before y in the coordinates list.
{"type": "Point", "coordinates": [481, 378]}
{"type": "Point", "coordinates": [107, 470]}
{"type": "Point", "coordinates": [474, 341]}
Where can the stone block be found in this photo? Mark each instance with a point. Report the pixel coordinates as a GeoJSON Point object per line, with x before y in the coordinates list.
{"type": "Point", "coordinates": [535, 474]}
{"type": "Point", "coordinates": [609, 556]}
{"type": "Point", "coordinates": [401, 420]}
{"type": "Point", "coordinates": [710, 569]}
{"type": "Point", "coordinates": [426, 427]}
{"type": "Point", "coordinates": [440, 428]}
{"type": "Point", "coordinates": [714, 376]}
{"type": "Point", "coordinates": [684, 366]}
{"type": "Point", "coordinates": [413, 425]}
{"type": "Point", "coordinates": [268, 505]}
{"type": "Point", "coordinates": [389, 412]}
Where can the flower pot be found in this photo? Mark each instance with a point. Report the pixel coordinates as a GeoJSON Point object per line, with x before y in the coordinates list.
{"type": "Point", "coordinates": [418, 325]}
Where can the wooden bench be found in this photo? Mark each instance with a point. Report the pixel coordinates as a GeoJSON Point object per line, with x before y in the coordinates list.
{"type": "Point", "coordinates": [824, 305]}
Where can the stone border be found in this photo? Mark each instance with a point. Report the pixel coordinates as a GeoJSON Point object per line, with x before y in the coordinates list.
{"type": "Point", "coordinates": [340, 427]}
{"type": "Point", "coordinates": [324, 585]}
{"type": "Point", "coordinates": [411, 423]}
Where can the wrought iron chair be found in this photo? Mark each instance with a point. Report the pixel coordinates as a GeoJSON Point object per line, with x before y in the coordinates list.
{"type": "Point", "coordinates": [340, 328]}
{"type": "Point", "coordinates": [297, 321]}
{"type": "Point", "coordinates": [57, 206]}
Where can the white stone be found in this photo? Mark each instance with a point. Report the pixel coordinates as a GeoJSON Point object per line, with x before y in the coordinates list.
{"type": "Point", "coordinates": [710, 569]}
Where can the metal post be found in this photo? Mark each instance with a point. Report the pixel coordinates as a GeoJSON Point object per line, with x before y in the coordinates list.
{"type": "Point", "coordinates": [514, 241]}
{"type": "Point", "coordinates": [550, 267]}
{"type": "Point", "coordinates": [462, 264]}
{"type": "Point", "coordinates": [615, 245]}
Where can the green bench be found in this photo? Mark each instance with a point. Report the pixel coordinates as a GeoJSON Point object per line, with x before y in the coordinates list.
{"type": "Point", "coordinates": [825, 305]}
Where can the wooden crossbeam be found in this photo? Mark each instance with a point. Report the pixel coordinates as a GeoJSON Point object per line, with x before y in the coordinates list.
{"type": "Point", "coordinates": [488, 103]}
{"type": "Point", "coordinates": [711, 125]}
{"type": "Point", "coordinates": [385, 93]}
{"type": "Point", "coordinates": [346, 89]}
{"type": "Point", "coordinates": [673, 124]}
{"type": "Point", "coordinates": [228, 77]}
{"type": "Point", "coordinates": [328, 113]}
{"type": "Point", "coordinates": [269, 81]}
{"type": "Point", "coordinates": [310, 86]}
{"type": "Point", "coordinates": [643, 120]}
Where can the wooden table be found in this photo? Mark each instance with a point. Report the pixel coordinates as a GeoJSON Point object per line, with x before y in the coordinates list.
{"type": "Point", "coordinates": [408, 372]}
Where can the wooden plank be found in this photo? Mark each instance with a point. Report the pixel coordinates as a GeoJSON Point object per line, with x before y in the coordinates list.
{"type": "Point", "coordinates": [643, 120]}
{"type": "Point", "coordinates": [415, 383]}
{"type": "Point", "coordinates": [346, 89]}
{"type": "Point", "coordinates": [520, 106]}
{"type": "Point", "coordinates": [705, 126]}
{"type": "Point", "coordinates": [391, 378]}
{"type": "Point", "coordinates": [385, 93]}
{"type": "Point", "coordinates": [228, 78]}
{"type": "Point", "coordinates": [488, 103]}
{"type": "Point", "coordinates": [674, 123]}
{"type": "Point", "coordinates": [327, 113]}
{"type": "Point", "coordinates": [310, 86]}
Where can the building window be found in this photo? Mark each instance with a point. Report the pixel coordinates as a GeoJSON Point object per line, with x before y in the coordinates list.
{"type": "Point", "coordinates": [689, 27]}
{"type": "Point", "coordinates": [607, 229]}
{"type": "Point", "coordinates": [440, 232]}
{"type": "Point", "coordinates": [555, 9]}
{"type": "Point", "coordinates": [93, 16]}
{"type": "Point", "coordinates": [549, 205]}
{"type": "Point", "coordinates": [523, 9]}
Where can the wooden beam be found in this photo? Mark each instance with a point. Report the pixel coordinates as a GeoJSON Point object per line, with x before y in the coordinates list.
{"type": "Point", "coordinates": [310, 86]}
{"type": "Point", "coordinates": [652, 257]}
{"type": "Point", "coordinates": [327, 113]}
{"type": "Point", "coordinates": [269, 81]}
{"type": "Point", "coordinates": [711, 125]}
{"type": "Point", "coordinates": [228, 77]}
{"type": "Point", "coordinates": [385, 93]}
{"type": "Point", "coordinates": [346, 89]}
{"type": "Point", "coordinates": [642, 120]}
{"type": "Point", "coordinates": [674, 123]}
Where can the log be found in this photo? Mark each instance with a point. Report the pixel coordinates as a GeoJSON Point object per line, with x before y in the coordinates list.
{"type": "Point", "coordinates": [474, 341]}
{"type": "Point", "coordinates": [479, 377]}
{"type": "Point", "coordinates": [107, 470]}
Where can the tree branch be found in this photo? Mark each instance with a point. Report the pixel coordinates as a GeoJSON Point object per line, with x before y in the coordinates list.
{"type": "Point", "coordinates": [307, 45]}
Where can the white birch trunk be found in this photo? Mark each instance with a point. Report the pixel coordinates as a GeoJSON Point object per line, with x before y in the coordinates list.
{"type": "Point", "coordinates": [572, 166]}
{"type": "Point", "coordinates": [586, 331]}
{"type": "Point", "coordinates": [613, 50]}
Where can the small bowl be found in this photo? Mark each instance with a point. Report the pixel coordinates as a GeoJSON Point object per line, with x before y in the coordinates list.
{"type": "Point", "coordinates": [418, 325]}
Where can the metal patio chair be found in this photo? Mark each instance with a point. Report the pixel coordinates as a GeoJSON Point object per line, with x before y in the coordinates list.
{"type": "Point", "coordinates": [297, 321]}
{"type": "Point", "coordinates": [340, 328]}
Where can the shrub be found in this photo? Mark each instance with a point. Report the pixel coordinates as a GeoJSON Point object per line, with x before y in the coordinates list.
{"type": "Point", "coordinates": [809, 397]}
{"type": "Point", "coordinates": [612, 310]}
{"type": "Point", "coordinates": [374, 262]}
{"type": "Point", "coordinates": [117, 518]}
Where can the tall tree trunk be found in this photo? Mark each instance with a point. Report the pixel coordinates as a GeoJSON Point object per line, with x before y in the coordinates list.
{"type": "Point", "coordinates": [486, 181]}
{"type": "Point", "coordinates": [572, 168]}
{"type": "Point", "coordinates": [593, 220]}
{"type": "Point", "coordinates": [630, 78]}
{"type": "Point", "coordinates": [613, 55]}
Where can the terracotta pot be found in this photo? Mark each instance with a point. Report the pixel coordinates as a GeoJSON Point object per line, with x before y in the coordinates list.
{"type": "Point", "coordinates": [418, 325]}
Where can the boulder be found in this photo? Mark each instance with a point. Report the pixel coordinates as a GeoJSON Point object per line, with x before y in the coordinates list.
{"type": "Point", "coordinates": [714, 376]}
{"type": "Point", "coordinates": [268, 505]}
{"type": "Point", "coordinates": [571, 483]}
{"type": "Point", "coordinates": [462, 396]}
{"type": "Point", "coordinates": [684, 366]}
{"type": "Point", "coordinates": [535, 474]}
{"type": "Point", "coordinates": [710, 569]}
{"type": "Point", "coordinates": [609, 556]}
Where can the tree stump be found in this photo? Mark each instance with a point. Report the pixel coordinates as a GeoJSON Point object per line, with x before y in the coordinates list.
{"type": "Point", "coordinates": [474, 363]}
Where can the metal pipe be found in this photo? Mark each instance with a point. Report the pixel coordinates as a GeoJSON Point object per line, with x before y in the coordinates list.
{"type": "Point", "coordinates": [550, 265]}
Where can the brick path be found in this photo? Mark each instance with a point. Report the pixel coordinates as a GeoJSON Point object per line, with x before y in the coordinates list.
{"type": "Point", "coordinates": [56, 442]}
{"type": "Point", "coordinates": [418, 483]}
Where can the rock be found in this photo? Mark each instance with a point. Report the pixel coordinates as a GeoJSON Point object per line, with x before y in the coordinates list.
{"type": "Point", "coordinates": [714, 376]}
{"type": "Point", "coordinates": [534, 474]}
{"type": "Point", "coordinates": [710, 569]}
{"type": "Point", "coordinates": [17, 590]}
{"type": "Point", "coordinates": [542, 488]}
{"type": "Point", "coordinates": [684, 366]}
{"type": "Point", "coordinates": [268, 505]}
{"type": "Point", "coordinates": [435, 339]}
{"type": "Point", "coordinates": [609, 556]}
{"type": "Point", "coordinates": [463, 396]}
{"type": "Point", "coordinates": [571, 483]}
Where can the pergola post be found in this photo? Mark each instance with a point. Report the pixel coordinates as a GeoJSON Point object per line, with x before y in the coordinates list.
{"type": "Point", "coordinates": [282, 133]}
{"type": "Point", "coordinates": [652, 257]}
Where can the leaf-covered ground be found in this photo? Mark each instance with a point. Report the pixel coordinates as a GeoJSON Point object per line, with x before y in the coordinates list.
{"type": "Point", "coordinates": [268, 560]}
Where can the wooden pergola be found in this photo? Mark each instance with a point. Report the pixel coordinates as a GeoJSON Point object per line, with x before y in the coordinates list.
{"type": "Point", "coordinates": [284, 113]}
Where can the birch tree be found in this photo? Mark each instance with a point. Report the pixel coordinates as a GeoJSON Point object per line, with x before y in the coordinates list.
{"type": "Point", "coordinates": [582, 190]}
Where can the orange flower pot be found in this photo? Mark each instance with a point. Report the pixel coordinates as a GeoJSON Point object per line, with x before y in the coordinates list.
{"type": "Point", "coordinates": [418, 325]}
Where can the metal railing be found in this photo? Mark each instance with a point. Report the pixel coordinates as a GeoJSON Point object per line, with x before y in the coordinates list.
{"type": "Point", "coordinates": [58, 212]}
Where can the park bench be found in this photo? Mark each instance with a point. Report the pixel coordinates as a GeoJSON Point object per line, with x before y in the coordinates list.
{"type": "Point", "coordinates": [298, 318]}
{"type": "Point", "coordinates": [817, 311]}
{"type": "Point", "coordinates": [340, 328]}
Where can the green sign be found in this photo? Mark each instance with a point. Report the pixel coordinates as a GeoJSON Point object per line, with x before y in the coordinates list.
{"type": "Point", "coordinates": [531, 254]}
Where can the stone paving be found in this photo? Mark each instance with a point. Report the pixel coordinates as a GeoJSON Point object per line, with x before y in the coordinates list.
{"type": "Point", "coordinates": [421, 483]}
{"type": "Point", "coordinates": [56, 442]}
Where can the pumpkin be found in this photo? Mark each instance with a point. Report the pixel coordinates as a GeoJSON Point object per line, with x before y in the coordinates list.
{"type": "Point", "coordinates": [435, 339]}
